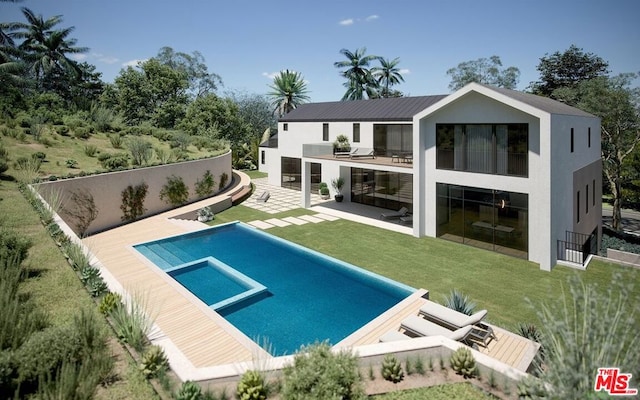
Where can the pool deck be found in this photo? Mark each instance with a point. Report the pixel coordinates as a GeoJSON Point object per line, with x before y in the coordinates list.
{"type": "Point", "coordinates": [198, 336]}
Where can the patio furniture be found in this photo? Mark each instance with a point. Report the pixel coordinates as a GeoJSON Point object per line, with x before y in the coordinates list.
{"type": "Point", "coordinates": [349, 153]}
{"type": "Point", "coordinates": [393, 336]}
{"type": "Point", "coordinates": [421, 327]}
{"type": "Point", "coordinates": [364, 152]}
{"type": "Point", "coordinates": [448, 317]}
{"type": "Point", "coordinates": [407, 219]}
{"type": "Point", "coordinates": [407, 158]}
{"type": "Point", "coordinates": [395, 214]}
{"type": "Point", "coordinates": [264, 197]}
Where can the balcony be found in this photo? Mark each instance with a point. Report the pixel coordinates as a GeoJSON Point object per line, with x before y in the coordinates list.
{"type": "Point", "coordinates": [324, 151]}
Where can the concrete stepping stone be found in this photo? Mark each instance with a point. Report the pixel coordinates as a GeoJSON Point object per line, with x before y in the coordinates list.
{"type": "Point", "coordinates": [311, 218]}
{"type": "Point", "coordinates": [327, 217]}
{"type": "Point", "coordinates": [261, 224]}
{"type": "Point", "coordinates": [295, 221]}
{"type": "Point", "coordinates": [277, 222]}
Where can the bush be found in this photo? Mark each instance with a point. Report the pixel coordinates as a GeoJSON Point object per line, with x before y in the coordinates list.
{"type": "Point", "coordinates": [116, 141]}
{"type": "Point", "coordinates": [189, 391]}
{"type": "Point", "coordinates": [13, 247]}
{"type": "Point", "coordinates": [252, 386]}
{"type": "Point", "coordinates": [131, 323]}
{"type": "Point", "coordinates": [391, 369]}
{"type": "Point", "coordinates": [82, 132]}
{"type": "Point", "coordinates": [318, 373]}
{"type": "Point", "coordinates": [204, 186]}
{"type": "Point", "coordinates": [109, 303]}
{"type": "Point", "coordinates": [153, 362]}
{"type": "Point", "coordinates": [180, 140]}
{"type": "Point", "coordinates": [612, 242]}
{"type": "Point", "coordinates": [174, 192]}
{"type": "Point", "coordinates": [463, 363]}
{"type": "Point", "coordinates": [70, 163]}
{"type": "Point", "coordinates": [90, 150]}
{"type": "Point", "coordinates": [113, 161]}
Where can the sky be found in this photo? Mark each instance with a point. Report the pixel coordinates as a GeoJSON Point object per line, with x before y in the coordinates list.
{"type": "Point", "coordinates": [248, 42]}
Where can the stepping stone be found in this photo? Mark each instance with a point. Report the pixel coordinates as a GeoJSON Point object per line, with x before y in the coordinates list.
{"type": "Point", "coordinates": [311, 218]}
{"type": "Point", "coordinates": [260, 224]}
{"type": "Point", "coordinates": [327, 217]}
{"type": "Point", "coordinates": [295, 221]}
{"type": "Point", "coordinates": [277, 222]}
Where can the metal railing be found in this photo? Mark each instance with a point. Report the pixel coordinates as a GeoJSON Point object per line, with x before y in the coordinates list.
{"type": "Point", "coordinates": [577, 247]}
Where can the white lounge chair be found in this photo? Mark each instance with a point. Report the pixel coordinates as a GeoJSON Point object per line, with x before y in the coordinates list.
{"type": "Point", "coordinates": [449, 318]}
{"type": "Point", "coordinates": [350, 153]}
{"type": "Point", "coordinates": [394, 214]}
{"type": "Point", "coordinates": [393, 336]}
{"type": "Point", "coordinates": [365, 152]}
{"type": "Point", "coordinates": [421, 327]}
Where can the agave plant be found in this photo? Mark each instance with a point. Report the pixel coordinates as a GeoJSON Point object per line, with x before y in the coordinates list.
{"type": "Point", "coordinates": [463, 363]}
{"type": "Point", "coordinates": [460, 302]}
{"type": "Point", "coordinates": [153, 361]}
{"type": "Point", "coordinates": [391, 369]}
{"type": "Point", "coordinates": [252, 386]}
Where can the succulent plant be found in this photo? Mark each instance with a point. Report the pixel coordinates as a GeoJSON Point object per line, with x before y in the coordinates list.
{"type": "Point", "coordinates": [153, 361]}
{"type": "Point", "coordinates": [463, 363]}
{"type": "Point", "coordinates": [189, 391]}
{"type": "Point", "coordinates": [391, 369]}
{"type": "Point", "coordinates": [252, 386]}
{"type": "Point", "coordinates": [109, 302]}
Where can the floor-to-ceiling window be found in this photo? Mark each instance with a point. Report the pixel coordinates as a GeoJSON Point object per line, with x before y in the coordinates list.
{"type": "Point", "coordinates": [384, 189]}
{"type": "Point", "coordinates": [291, 174]}
{"type": "Point", "coordinates": [392, 139]}
{"type": "Point", "coordinates": [489, 149]}
{"type": "Point", "coordinates": [490, 219]}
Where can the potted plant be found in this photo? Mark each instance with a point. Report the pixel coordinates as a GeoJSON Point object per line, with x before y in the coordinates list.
{"type": "Point", "coordinates": [205, 214]}
{"type": "Point", "coordinates": [337, 184]}
{"type": "Point", "coordinates": [323, 191]}
{"type": "Point", "coordinates": [341, 144]}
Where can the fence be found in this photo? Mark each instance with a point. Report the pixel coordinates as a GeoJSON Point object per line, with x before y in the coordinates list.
{"type": "Point", "coordinates": [577, 247]}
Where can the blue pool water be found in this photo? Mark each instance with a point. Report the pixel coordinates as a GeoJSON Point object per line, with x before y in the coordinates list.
{"type": "Point", "coordinates": [271, 289]}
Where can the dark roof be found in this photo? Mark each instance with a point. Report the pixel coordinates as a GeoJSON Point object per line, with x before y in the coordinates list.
{"type": "Point", "coordinates": [391, 109]}
{"type": "Point", "coordinates": [541, 103]}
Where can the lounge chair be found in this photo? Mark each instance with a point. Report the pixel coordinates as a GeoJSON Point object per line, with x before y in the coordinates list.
{"type": "Point", "coordinates": [393, 336]}
{"type": "Point", "coordinates": [264, 197]}
{"type": "Point", "coordinates": [421, 327]}
{"type": "Point", "coordinates": [349, 153]}
{"type": "Point", "coordinates": [407, 219]}
{"type": "Point", "coordinates": [449, 318]}
{"type": "Point", "coordinates": [361, 153]}
{"type": "Point", "coordinates": [395, 214]}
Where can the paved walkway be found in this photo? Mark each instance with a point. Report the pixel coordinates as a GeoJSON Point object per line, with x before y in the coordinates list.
{"type": "Point", "coordinates": [282, 199]}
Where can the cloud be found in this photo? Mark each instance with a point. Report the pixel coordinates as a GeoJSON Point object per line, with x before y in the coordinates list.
{"type": "Point", "coordinates": [371, 18]}
{"type": "Point", "coordinates": [270, 75]}
{"type": "Point", "coordinates": [405, 71]}
{"type": "Point", "coordinates": [346, 22]}
{"type": "Point", "coordinates": [133, 63]}
{"type": "Point", "coordinates": [105, 59]}
{"type": "Point", "coordinates": [79, 57]}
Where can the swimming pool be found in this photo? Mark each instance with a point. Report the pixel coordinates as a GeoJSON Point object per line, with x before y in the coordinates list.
{"type": "Point", "coordinates": [272, 290]}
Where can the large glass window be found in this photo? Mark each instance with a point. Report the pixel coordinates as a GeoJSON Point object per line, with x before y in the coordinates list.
{"type": "Point", "coordinates": [384, 189]}
{"type": "Point", "coordinates": [291, 174]}
{"type": "Point", "coordinates": [392, 139]}
{"type": "Point", "coordinates": [488, 149]}
{"type": "Point", "coordinates": [490, 219]}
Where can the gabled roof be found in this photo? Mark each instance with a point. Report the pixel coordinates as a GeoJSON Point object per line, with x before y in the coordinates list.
{"type": "Point", "coordinates": [391, 109]}
{"type": "Point", "coordinates": [545, 104]}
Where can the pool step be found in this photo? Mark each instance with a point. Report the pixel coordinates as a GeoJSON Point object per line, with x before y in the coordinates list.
{"type": "Point", "coordinates": [161, 257]}
{"type": "Point", "coordinates": [178, 252]}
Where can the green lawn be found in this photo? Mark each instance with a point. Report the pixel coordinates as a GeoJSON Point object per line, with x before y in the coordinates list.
{"type": "Point", "coordinates": [458, 391]}
{"type": "Point", "coordinates": [504, 285]}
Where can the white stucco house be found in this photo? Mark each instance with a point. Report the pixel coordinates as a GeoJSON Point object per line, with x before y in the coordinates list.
{"type": "Point", "coordinates": [489, 167]}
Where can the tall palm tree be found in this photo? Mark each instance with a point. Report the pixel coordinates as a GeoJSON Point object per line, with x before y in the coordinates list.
{"type": "Point", "coordinates": [46, 49]}
{"type": "Point", "coordinates": [289, 90]}
{"type": "Point", "coordinates": [359, 77]}
{"type": "Point", "coordinates": [387, 75]}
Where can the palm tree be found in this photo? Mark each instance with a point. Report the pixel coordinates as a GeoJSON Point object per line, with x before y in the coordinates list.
{"type": "Point", "coordinates": [359, 77]}
{"type": "Point", "coordinates": [387, 74]}
{"type": "Point", "coordinates": [289, 91]}
{"type": "Point", "coordinates": [46, 49]}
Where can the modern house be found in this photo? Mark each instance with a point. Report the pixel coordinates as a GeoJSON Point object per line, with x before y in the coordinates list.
{"type": "Point", "coordinates": [489, 167]}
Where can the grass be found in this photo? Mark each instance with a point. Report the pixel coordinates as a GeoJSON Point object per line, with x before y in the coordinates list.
{"type": "Point", "coordinates": [508, 287]}
{"type": "Point", "coordinates": [459, 391]}
{"type": "Point", "coordinates": [55, 287]}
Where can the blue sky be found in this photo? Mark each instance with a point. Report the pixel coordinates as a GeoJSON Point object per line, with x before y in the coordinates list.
{"type": "Point", "coordinates": [246, 42]}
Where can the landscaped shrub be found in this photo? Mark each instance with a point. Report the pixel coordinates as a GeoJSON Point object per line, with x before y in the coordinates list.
{"type": "Point", "coordinates": [109, 303]}
{"type": "Point", "coordinates": [163, 155]}
{"type": "Point", "coordinates": [175, 191]}
{"type": "Point", "coordinates": [460, 302]}
{"type": "Point", "coordinates": [113, 161]}
{"type": "Point", "coordinates": [189, 390]}
{"type": "Point", "coordinates": [131, 323]}
{"type": "Point", "coordinates": [224, 178]}
{"type": "Point", "coordinates": [78, 258]}
{"type": "Point", "coordinates": [318, 373]}
{"type": "Point", "coordinates": [611, 242]}
{"type": "Point", "coordinates": [391, 369]}
{"type": "Point", "coordinates": [133, 201]}
{"type": "Point", "coordinates": [116, 141]}
{"type": "Point", "coordinates": [141, 150]}
{"type": "Point", "coordinates": [90, 150]}
{"type": "Point", "coordinates": [153, 362]}
{"type": "Point", "coordinates": [13, 247]}
{"type": "Point", "coordinates": [204, 187]}
{"type": "Point", "coordinates": [463, 363]}
{"type": "Point", "coordinates": [180, 140]}
{"type": "Point", "coordinates": [252, 386]}
{"type": "Point", "coordinates": [71, 163]}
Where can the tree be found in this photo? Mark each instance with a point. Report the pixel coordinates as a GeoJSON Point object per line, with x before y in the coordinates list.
{"type": "Point", "coordinates": [387, 75]}
{"type": "Point", "coordinates": [215, 118]}
{"type": "Point", "coordinates": [360, 80]}
{"type": "Point", "coordinates": [153, 92]}
{"type": "Point", "coordinates": [617, 105]}
{"type": "Point", "coordinates": [568, 69]}
{"type": "Point", "coordinates": [289, 90]}
{"type": "Point", "coordinates": [201, 82]}
{"type": "Point", "coordinates": [45, 49]}
{"type": "Point", "coordinates": [483, 70]}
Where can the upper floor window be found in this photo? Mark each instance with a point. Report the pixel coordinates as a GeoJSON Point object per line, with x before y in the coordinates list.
{"type": "Point", "coordinates": [356, 132]}
{"type": "Point", "coordinates": [589, 137]}
{"type": "Point", "coordinates": [572, 140]}
{"type": "Point", "coordinates": [325, 132]}
{"type": "Point", "coordinates": [285, 126]}
{"type": "Point", "coordinates": [490, 149]}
